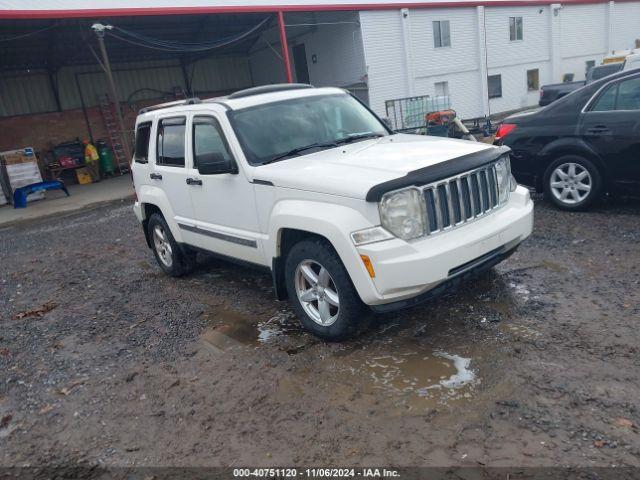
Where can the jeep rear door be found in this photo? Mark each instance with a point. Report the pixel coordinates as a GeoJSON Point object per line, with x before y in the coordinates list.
{"type": "Point", "coordinates": [224, 203]}
{"type": "Point", "coordinates": [169, 170]}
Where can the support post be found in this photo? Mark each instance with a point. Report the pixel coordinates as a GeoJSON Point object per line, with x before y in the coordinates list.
{"type": "Point", "coordinates": [100, 29]}
{"type": "Point", "coordinates": [185, 77]}
{"type": "Point", "coordinates": [285, 47]}
{"type": "Point", "coordinates": [54, 88]}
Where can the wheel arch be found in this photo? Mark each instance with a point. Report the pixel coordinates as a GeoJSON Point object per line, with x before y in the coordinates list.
{"type": "Point", "coordinates": [154, 200]}
{"type": "Point", "coordinates": [568, 146]}
{"type": "Point", "coordinates": [295, 220]}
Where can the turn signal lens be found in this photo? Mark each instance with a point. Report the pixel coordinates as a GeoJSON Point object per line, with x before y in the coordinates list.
{"type": "Point", "coordinates": [504, 130]}
{"type": "Point", "coordinates": [368, 265]}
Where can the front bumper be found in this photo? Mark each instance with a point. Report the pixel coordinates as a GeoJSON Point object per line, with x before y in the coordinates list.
{"type": "Point", "coordinates": [404, 270]}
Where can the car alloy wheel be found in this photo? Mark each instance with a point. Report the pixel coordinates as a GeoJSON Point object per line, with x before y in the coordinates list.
{"type": "Point", "coordinates": [317, 292]}
{"type": "Point", "coordinates": [570, 183]}
{"type": "Point", "coordinates": [163, 246]}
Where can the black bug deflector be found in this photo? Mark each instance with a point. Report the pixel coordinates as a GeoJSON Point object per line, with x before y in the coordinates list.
{"type": "Point", "coordinates": [439, 171]}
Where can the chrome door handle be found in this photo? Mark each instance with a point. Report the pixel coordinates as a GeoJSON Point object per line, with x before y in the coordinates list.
{"type": "Point", "coordinates": [194, 181]}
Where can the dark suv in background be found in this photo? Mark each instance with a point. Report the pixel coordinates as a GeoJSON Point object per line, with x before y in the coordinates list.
{"type": "Point", "coordinates": [581, 146]}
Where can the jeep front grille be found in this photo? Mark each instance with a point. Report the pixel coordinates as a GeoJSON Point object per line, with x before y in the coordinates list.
{"type": "Point", "coordinates": [458, 200]}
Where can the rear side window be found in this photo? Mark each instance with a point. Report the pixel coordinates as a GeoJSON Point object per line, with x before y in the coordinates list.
{"type": "Point", "coordinates": [629, 95]}
{"type": "Point", "coordinates": [624, 95]}
{"type": "Point", "coordinates": [606, 101]}
{"type": "Point", "coordinates": [143, 133]}
{"type": "Point", "coordinates": [170, 150]}
{"type": "Point", "coordinates": [209, 143]}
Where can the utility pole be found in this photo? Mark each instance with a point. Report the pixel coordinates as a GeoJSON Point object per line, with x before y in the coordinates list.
{"type": "Point", "coordinates": [106, 66]}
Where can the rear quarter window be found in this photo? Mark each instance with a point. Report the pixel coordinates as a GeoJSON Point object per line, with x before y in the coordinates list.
{"type": "Point", "coordinates": [143, 135]}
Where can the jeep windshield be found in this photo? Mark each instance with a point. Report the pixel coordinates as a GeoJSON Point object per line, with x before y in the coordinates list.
{"type": "Point", "coordinates": [290, 128]}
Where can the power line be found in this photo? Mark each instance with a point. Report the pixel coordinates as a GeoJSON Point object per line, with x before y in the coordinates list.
{"type": "Point", "coordinates": [25, 35]}
{"type": "Point", "coordinates": [169, 46]}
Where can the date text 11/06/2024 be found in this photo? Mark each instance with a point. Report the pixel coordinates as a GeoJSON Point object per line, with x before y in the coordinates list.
{"type": "Point", "coordinates": [315, 473]}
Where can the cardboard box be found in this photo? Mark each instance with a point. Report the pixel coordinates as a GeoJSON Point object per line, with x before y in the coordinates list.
{"type": "Point", "coordinates": [83, 176]}
{"type": "Point", "coordinates": [17, 169]}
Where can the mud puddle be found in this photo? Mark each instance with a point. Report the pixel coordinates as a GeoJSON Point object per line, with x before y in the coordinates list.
{"type": "Point", "coordinates": [416, 380]}
{"type": "Point", "coordinates": [229, 328]}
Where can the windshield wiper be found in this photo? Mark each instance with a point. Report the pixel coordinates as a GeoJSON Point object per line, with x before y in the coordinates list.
{"type": "Point", "coordinates": [299, 150]}
{"type": "Point", "coordinates": [358, 136]}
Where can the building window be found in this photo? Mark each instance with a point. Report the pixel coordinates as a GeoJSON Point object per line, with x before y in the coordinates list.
{"type": "Point", "coordinates": [515, 28]}
{"type": "Point", "coordinates": [495, 86]}
{"type": "Point", "coordinates": [441, 34]}
{"type": "Point", "coordinates": [588, 65]}
{"type": "Point", "coordinates": [533, 80]}
{"type": "Point", "coordinates": [442, 89]}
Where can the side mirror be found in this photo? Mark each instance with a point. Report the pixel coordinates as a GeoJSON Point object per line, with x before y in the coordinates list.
{"type": "Point", "coordinates": [215, 164]}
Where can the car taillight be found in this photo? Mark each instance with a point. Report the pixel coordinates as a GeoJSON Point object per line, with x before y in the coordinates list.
{"type": "Point", "coordinates": [504, 130]}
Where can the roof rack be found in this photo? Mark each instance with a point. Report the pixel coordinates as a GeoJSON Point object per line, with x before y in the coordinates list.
{"type": "Point", "coordinates": [279, 87]}
{"type": "Point", "coordinates": [188, 101]}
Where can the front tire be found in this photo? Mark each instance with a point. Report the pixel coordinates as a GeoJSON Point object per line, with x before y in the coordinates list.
{"type": "Point", "coordinates": [168, 253]}
{"type": "Point", "coordinates": [572, 183]}
{"type": "Point", "coordinates": [321, 291]}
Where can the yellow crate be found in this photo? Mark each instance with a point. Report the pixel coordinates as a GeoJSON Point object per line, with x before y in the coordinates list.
{"type": "Point", "coordinates": [83, 176]}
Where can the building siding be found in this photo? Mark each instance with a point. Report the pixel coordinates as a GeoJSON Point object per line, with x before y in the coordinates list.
{"type": "Point", "coordinates": [625, 25]}
{"type": "Point", "coordinates": [383, 49]}
{"type": "Point", "coordinates": [392, 51]}
{"type": "Point", "coordinates": [23, 94]}
{"type": "Point", "coordinates": [336, 45]}
{"type": "Point", "coordinates": [557, 40]}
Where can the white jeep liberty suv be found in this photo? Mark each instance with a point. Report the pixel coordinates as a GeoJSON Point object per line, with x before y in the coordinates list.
{"type": "Point", "coordinates": [307, 182]}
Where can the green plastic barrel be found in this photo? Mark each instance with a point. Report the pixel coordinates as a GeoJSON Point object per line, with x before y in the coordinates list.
{"type": "Point", "coordinates": [106, 159]}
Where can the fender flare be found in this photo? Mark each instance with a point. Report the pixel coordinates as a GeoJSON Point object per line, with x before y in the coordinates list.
{"type": "Point", "coordinates": [150, 195]}
{"type": "Point", "coordinates": [569, 146]}
{"type": "Point", "coordinates": [333, 222]}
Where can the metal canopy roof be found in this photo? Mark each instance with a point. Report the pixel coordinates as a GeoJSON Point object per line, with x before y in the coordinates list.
{"type": "Point", "coordinates": [51, 44]}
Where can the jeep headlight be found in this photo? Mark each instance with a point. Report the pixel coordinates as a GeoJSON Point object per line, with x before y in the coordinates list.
{"type": "Point", "coordinates": [403, 213]}
{"type": "Point", "coordinates": [505, 181]}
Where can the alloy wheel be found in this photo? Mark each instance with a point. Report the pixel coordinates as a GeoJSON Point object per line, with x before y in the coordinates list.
{"type": "Point", "coordinates": [317, 292]}
{"type": "Point", "coordinates": [570, 183]}
{"type": "Point", "coordinates": [162, 246]}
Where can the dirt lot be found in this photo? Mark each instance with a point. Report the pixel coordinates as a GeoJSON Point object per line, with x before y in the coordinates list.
{"type": "Point", "coordinates": [104, 360]}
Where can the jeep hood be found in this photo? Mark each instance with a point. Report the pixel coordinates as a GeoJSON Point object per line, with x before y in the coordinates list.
{"type": "Point", "coordinates": [353, 170]}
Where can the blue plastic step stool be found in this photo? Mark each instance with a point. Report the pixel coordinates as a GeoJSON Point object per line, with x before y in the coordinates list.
{"type": "Point", "coordinates": [20, 194]}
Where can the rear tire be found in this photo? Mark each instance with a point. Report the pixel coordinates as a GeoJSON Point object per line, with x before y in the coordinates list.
{"type": "Point", "coordinates": [572, 183]}
{"type": "Point", "coordinates": [171, 258]}
{"type": "Point", "coordinates": [321, 291]}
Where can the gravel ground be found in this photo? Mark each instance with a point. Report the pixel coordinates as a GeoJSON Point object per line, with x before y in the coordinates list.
{"type": "Point", "coordinates": [104, 360]}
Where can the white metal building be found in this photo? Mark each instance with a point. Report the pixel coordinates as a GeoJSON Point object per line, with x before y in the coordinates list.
{"type": "Point", "coordinates": [479, 64]}
{"type": "Point", "coordinates": [490, 56]}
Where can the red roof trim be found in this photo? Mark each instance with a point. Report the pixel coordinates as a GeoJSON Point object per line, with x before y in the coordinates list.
{"type": "Point", "coordinates": [130, 12]}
